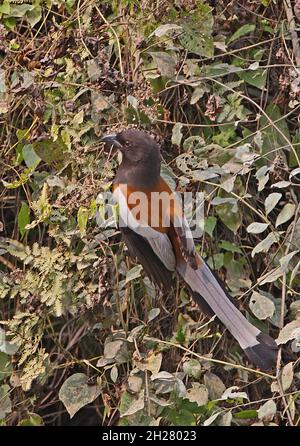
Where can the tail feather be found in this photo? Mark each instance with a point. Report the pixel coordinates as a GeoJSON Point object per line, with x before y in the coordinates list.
{"type": "Point", "coordinates": [211, 296]}
{"type": "Point", "coordinates": [264, 354]}
{"type": "Point", "coordinates": [202, 304]}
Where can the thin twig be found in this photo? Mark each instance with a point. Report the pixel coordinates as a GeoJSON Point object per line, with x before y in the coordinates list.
{"type": "Point", "coordinates": [7, 263]}
{"type": "Point", "coordinates": [116, 36]}
{"type": "Point", "coordinates": [206, 358]}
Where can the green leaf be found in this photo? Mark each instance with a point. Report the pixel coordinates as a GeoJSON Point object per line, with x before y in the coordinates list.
{"type": "Point", "coordinates": [14, 248]}
{"type": "Point", "coordinates": [227, 246]}
{"type": "Point", "coordinates": [271, 276]}
{"type": "Point", "coordinates": [177, 134]}
{"type": "Point", "coordinates": [75, 393]}
{"type": "Point", "coordinates": [286, 214]}
{"type": "Point", "coordinates": [33, 419]}
{"type": "Point", "coordinates": [271, 201]}
{"type": "Point", "coordinates": [135, 384]}
{"type": "Point", "coordinates": [293, 161]}
{"type": "Point", "coordinates": [136, 405]}
{"type": "Point", "coordinates": [19, 10]}
{"type": "Point", "coordinates": [245, 414]}
{"type": "Point", "coordinates": [257, 228]}
{"type": "Point", "coordinates": [22, 134]}
{"type": "Point", "coordinates": [276, 318]}
{"type": "Point", "coordinates": [198, 93]}
{"type": "Point", "coordinates": [230, 216]}
{"type": "Point", "coordinates": [257, 78]}
{"type": "Point", "coordinates": [133, 102]}
{"type": "Point", "coordinates": [24, 177]}
{"type": "Point", "coordinates": [2, 81]}
{"type": "Point", "coordinates": [165, 63]}
{"type": "Point", "coordinates": [153, 314]}
{"type": "Point", "coordinates": [114, 373]}
{"type": "Point", "coordinates": [82, 219]}
{"type": "Point", "coordinates": [192, 368]}
{"type": "Point", "coordinates": [5, 346]}
{"type": "Point", "coordinates": [262, 175]}
{"type": "Point", "coordinates": [233, 109]}
{"type": "Point", "coordinates": [152, 363]}
{"type": "Point", "coordinates": [35, 15]}
{"type": "Point", "coordinates": [288, 332]}
{"type": "Point", "coordinates": [272, 138]}
{"type": "Point", "coordinates": [294, 172]}
{"type": "Point", "coordinates": [198, 394]}
{"type": "Point", "coordinates": [133, 273]}
{"type": "Point", "coordinates": [94, 71]}
{"type": "Point", "coordinates": [52, 151]}
{"type": "Point", "coordinates": [228, 183]}
{"type": "Point", "coordinates": [281, 184]}
{"type": "Point", "coordinates": [78, 118]}
{"type": "Point", "coordinates": [5, 403]}
{"type": "Point", "coordinates": [266, 243]}
{"type": "Point", "coordinates": [193, 143]}
{"type": "Point", "coordinates": [30, 157]}
{"type": "Point", "coordinates": [286, 376]}
{"type": "Point", "coordinates": [216, 261]}
{"type": "Point", "coordinates": [126, 401]}
{"type": "Point", "coordinates": [285, 260]}
{"type": "Point", "coordinates": [5, 366]}
{"type": "Point", "coordinates": [162, 30]}
{"type": "Point", "coordinates": [23, 218]}
{"type": "Point", "coordinates": [209, 225]}
{"type": "Point", "coordinates": [197, 29]}
{"type": "Point", "coordinates": [267, 411]}
{"type": "Point", "coordinates": [114, 352]}
{"type": "Point", "coordinates": [212, 418]}
{"type": "Point", "coordinates": [242, 31]}
{"type": "Point", "coordinates": [181, 417]}
{"type": "Point", "coordinates": [232, 393]}
{"type": "Point", "coordinates": [261, 306]}
{"type": "Point", "coordinates": [215, 385]}
{"type": "Point", "coordinates": [225, 419]}
{"type": "Point", "coordinates": [5, 7]}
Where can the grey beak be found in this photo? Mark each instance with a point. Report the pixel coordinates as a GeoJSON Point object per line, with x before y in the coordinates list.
{"type": "Point", "coordinates": [112, 139]}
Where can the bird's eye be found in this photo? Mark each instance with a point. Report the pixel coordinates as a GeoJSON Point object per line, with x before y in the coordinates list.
{"type": "Point", "coordinates": [127, 143]}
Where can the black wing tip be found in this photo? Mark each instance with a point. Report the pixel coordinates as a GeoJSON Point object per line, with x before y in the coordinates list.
{"type": "Point", "coordinates": [264, 354]}
{"type": "Point", "coordinates": [140, 249]}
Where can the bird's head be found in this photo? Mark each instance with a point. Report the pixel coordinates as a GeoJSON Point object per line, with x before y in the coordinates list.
{"type": "Point", "coordinates": [135, 145]}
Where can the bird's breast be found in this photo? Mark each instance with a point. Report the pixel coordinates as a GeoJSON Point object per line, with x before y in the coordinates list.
{"type": "Point", "coordinates": [157, 208]}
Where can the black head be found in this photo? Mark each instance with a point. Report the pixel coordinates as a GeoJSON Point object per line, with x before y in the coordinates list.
{"type": "Point", "coordinates": [135, 145]}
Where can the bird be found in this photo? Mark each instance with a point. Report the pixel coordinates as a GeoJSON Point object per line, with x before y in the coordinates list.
{"type": "Point", "coordinates": [159, 237]}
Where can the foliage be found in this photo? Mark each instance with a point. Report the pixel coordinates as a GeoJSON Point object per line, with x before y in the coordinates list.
{"type": "Point", "coordinates": [81, 326]}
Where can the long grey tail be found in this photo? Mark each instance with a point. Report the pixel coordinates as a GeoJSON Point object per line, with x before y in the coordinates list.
{"type": "Point", "coordinates": [211, 296]}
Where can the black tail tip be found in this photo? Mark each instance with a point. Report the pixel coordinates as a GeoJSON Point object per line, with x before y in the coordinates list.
{"type": "Point", "coordinates": [264, 353]}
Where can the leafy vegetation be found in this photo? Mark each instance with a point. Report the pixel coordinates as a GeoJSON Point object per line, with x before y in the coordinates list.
{"type": "Point", "coordinates": [85, 338]}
